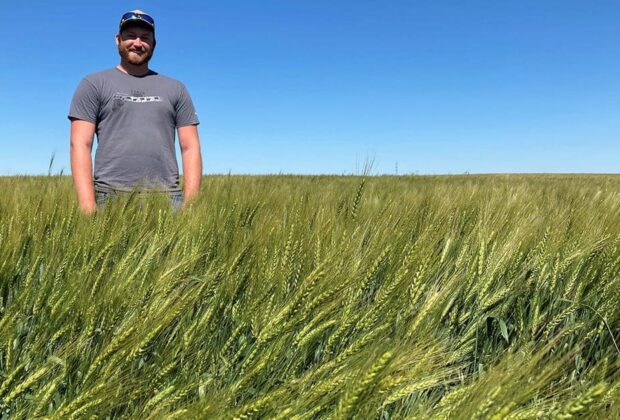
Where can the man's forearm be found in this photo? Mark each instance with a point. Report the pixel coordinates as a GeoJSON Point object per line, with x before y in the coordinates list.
{"type": "Point", "coordinates": [192, 172]}
{"type": "Point", "coordinates": [81, 169]}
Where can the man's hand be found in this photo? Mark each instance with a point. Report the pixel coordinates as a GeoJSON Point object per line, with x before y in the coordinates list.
{"type": "Point", "coordinates": [89, 208]}
{"type": "Point", "coordinates": [82, 133]}
{"type": "Point", "coordinates": [192, 161]}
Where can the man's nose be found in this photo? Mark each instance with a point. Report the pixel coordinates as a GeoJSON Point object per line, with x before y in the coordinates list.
{"type": "Point", "coordinates": [138, 42]}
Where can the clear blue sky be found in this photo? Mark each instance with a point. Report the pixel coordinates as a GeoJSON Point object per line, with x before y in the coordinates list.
{"type": "Point", "coordinates": [433, 87]}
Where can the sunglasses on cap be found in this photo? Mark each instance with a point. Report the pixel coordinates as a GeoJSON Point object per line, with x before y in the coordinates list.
{"type": "Point", "coordinates": [132, 16]}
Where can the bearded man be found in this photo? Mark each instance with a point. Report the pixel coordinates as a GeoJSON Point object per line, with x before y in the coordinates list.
{"type": "Point", "coordinates": [134, 111]}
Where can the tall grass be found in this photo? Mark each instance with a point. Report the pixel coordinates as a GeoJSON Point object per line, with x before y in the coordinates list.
{"type": "Point", "coordinates": [314, 297]}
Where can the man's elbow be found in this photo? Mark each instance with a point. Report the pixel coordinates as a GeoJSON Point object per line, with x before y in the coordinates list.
{"type": "Point", "coordinates": [192, 146]}
{"type": "Point", "coordinates": [79, 145]}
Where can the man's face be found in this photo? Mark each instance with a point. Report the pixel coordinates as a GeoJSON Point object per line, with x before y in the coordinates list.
{"type": "Point", "coordinates": [136, 45]}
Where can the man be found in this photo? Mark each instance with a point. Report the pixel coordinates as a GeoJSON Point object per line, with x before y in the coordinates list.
{"type": "Point", "coordinates": [134, 112]}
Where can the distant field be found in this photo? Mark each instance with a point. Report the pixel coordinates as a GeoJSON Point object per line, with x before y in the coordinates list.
{"type": "Point", "coordinates": [315, 297]}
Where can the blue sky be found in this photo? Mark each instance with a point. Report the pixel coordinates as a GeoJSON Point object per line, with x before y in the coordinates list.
{"type": "Point", "coordinates": [309, 87]}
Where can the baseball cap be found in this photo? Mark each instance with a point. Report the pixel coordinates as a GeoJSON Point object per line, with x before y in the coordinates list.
{"type": "Point", "coordinates": [136, 17]}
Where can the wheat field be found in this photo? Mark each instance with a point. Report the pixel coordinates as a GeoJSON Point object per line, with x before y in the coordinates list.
{"type": "Point", "coordinates": [310, 297]}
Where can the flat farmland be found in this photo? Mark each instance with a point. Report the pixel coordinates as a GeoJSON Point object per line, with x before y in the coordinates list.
{"type": "Point", "coordinates": [307, 297]}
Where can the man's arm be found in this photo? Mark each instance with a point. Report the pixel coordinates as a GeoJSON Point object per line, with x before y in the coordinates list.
{"type": "Point", "coordinates": [82, 133]}
{"type": "Point", "coordinates": [192, 161]}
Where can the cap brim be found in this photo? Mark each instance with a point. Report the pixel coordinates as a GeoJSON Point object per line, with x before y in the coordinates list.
{"type": "Point", "coordinates": [136, 22]}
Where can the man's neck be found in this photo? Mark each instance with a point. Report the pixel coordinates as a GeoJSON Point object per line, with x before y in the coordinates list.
{"type": "Point", "coordinates": [133, 69]}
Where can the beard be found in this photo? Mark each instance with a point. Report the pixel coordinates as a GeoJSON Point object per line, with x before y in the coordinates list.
{"type": "Point", "coordinates": [135, 59]}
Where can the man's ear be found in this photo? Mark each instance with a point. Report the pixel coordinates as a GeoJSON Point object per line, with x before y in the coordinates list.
{"type": "Point", "coordinates": [117, 38]}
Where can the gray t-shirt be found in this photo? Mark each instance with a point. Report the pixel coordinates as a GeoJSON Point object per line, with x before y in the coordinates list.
{"type": "Point", "coordinates": [135, 118]}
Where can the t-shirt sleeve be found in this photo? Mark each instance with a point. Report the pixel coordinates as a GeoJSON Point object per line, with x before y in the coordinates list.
{"type": "Point", "coordinates": [85, 103]}
{"type": "Point", "coordinates": [185, 111]}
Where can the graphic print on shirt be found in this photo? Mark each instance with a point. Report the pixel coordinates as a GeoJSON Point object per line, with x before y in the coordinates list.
{"type": "Point", "coordinates": [136, 97]}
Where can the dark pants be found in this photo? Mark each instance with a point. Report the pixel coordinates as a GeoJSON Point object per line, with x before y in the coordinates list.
{"type": "Point", "coordinates": [176, 198]}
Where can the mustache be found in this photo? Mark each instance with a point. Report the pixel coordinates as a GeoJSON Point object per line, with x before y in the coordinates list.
{"type": "Point", "coordinates": [144, 55]}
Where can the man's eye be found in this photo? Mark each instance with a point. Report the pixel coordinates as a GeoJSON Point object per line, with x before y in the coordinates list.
{"type": "Point", "coordinates": [132, 37]}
